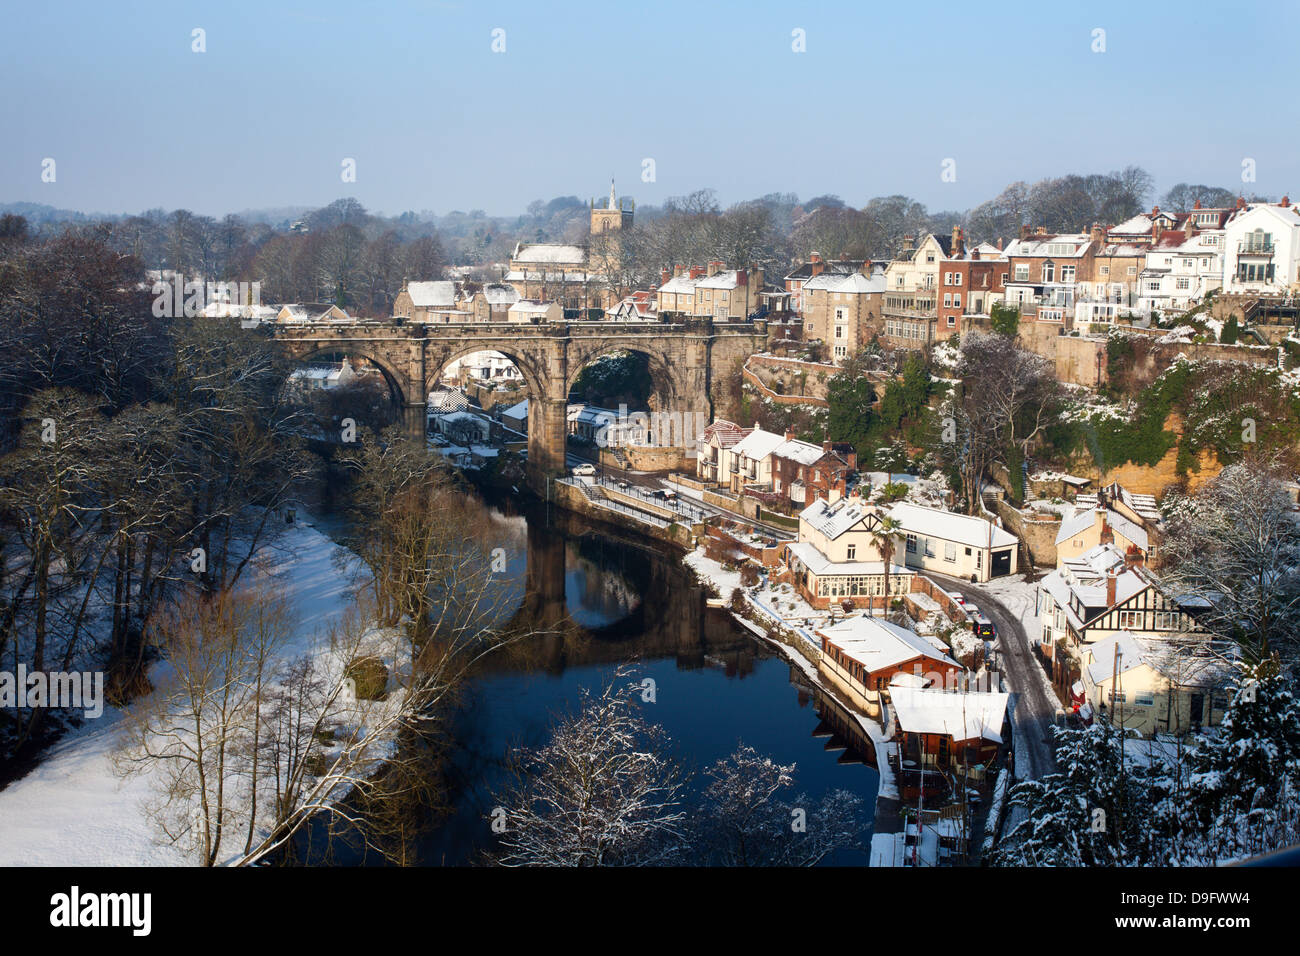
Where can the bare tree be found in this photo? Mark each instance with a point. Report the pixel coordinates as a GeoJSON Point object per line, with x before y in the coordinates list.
{"type": "Point", "coordinates": [1234, 549]}
{"type": "Point", "coordinates": [747, 821]}
{"type": "Point", "coordinates": [603, 791]}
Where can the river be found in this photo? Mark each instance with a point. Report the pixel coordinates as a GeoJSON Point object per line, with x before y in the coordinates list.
{"type": "Point", "coordinates": [621, 598]}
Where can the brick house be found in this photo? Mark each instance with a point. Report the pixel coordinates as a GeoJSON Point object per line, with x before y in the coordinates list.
{"type": "Point", "coordinates": [803, 472]}
{"type": "Point", "coordinates": [970, 281]}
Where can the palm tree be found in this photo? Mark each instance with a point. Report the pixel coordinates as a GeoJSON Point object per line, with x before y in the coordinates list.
{"type": "Point", "coordinates": [883, 540]}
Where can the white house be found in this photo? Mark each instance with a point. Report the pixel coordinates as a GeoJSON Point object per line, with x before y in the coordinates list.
{"type": "Point", "coordinates": [1262, 248]}
{"type": "Point", "coordinates": [956, 545]}
{"type": "Point", "coordinates": [750, 459]}
{"type": "Point", "coordinates": [1179, 274]}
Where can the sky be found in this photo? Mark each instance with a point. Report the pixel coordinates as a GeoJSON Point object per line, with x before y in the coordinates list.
{"type": "Point", "coordinates": [882, 99]}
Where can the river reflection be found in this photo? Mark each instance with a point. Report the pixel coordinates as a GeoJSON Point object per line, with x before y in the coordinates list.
{"type": "Point", "coordinates": [606, 598]}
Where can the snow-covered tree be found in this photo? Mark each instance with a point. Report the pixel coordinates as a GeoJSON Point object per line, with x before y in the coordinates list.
{"type": "Point", "coordinates": [748, 822]}
{"type": "Point", "coordinates": [603, 791]}
{"type": "Point", "coordinates": [1235, 793]}
{"type": "Point", "coordinates": [1235, 546]}
{"type": "Point", "coordinates": [1092, 812]}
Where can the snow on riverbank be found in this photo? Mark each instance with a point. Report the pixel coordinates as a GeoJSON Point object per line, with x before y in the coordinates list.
{"type": "Point", "coordinates": [73, 809]}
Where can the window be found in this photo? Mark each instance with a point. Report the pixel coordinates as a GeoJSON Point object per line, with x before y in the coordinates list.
{"type": "Point", "coordinates": [929, 548]}
{"type": "Point", "coordinates": [911, 544]}
{"type": "Point", "coordinates": [841, 351]}
{"type": "Point", "coordinates": [1144, 699]}
{"type": "Point", "coordinates": [839, 331]}
{"type": "Point", "coordinates": [852, 552]}
{"type": "Point", "coordinates": [1067, 273]}
{"type": "Point", "coordinates": [1168, 621]}
{"type": "Point", "coordinates": [952, 321]}
{"type": "Point", "coordinates": [1049, 271]}
{"type": "Point", "coordinates": [956, 301]}
{"type": "Point", "coordinates": [1183, 284]}
{"type": "Point", "coordinates": [947, 300]}
{"type": "Point", "coordinates": [1022, 271]}
{"type": "Point", "coordinates": [949, 551]}
{"type": "Point", "coordinates": [1105, 270]}
{"type": "Point", "coordinates": [1130, 620]}
{"type": "Point", "coordinates": [1132, 270]}
{"type": "Point", "coordinates": [956, 278]}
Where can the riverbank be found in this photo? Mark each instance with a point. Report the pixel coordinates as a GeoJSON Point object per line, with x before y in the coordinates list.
{"type": "Point", "coordinates": [800, 651]}
{"type": "Point", "coordinates": [75, 808]}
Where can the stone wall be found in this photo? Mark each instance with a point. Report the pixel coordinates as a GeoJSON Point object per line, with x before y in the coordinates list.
{"type": "Point", "coordinates": [1037, 534]}
{"type": "Point", "coordinates": [754, 379]}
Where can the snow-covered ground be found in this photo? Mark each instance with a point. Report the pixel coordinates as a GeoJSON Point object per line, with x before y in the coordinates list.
{"type": "Point", "coordinates": [74, 809]}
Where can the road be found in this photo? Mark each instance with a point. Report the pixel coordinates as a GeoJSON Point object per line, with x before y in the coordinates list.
{"type": "Point", "coordinates": [1034, 712]}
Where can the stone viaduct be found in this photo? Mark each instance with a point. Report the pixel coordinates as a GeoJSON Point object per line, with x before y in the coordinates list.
{"type": "Point", "coordinates": [686, 359]}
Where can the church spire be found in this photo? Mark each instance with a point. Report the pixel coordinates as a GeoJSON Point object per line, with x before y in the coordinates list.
{"type": "Point", "coordinates": [611, 193]}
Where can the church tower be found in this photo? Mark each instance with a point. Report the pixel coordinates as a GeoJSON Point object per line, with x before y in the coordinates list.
{"type": "Point", "coordinates": [612, 217]}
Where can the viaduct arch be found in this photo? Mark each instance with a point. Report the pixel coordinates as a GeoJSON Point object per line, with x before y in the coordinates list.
{"type": "Point", "coordinates": [686, 359]}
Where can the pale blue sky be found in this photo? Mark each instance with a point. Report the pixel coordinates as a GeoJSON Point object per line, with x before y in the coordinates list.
{"type": "Point", "coordinates": [713, 93]}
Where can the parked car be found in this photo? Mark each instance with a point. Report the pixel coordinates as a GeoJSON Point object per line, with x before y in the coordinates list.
{"type": "Point", "coordinates": [584, 470]}
{"type": "Point", "coordinates": [983, 627]}
{"type": "Point", "coordinates": [958, 598]}
{"type": "Point", "coordinates": [622, 484]}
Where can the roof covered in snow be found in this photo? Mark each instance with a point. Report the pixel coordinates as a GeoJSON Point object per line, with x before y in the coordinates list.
{"type": "Point", "coordinates": [950, 526]}
{"type": "Point", "coordinates": [758, 444]}
{"type": "Point", "coordinates": [878, 645]}
{"type": "Point", "coordinates": [549, 253]}
{"type": "Point", "coordinates": [832, 519]}
{"type": "Point", "coordinates": [432, 295]}
{"type": "Point", "coordinates": [961, 716]}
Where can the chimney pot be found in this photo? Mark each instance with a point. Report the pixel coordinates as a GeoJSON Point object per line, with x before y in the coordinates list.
{"type": "Point", "coordinates": [1112, 576]}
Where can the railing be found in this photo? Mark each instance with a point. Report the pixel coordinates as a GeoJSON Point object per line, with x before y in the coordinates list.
{"type": "Point", "coordinates": [1254, 248]}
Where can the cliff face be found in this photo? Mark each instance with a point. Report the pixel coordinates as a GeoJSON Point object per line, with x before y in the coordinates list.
{"type": "Point", "coordinates": [1153, 479]}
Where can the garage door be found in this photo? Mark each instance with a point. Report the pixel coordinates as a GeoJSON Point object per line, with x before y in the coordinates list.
{"type": "Point", "coordinates": [1001, 563]}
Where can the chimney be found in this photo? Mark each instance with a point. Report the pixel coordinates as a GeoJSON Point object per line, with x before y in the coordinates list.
{"type": "Point", "coordinates": [1133, 557]}
{"type": "Point", "coordinates": [678, 270]}
{"type": "Point", "coordinates": [1040, 230]}
{"type": "Point", "coordinates": [664, 276]}
{"type": "Point", "coordinates": [815, 260]}
{"type": "Point", "coordinates": [696, 272]}
{"type": "Point", "coordinates": [1025, 231]}
{"type": "Point", "coordinates": [999, 243]}
{"type": "Point", "coordinates": [958, 245]}
{"type": "Point", "coordinates": [909, 243]}
{"type": "Point", "coordinates": [1098, 233]}
{"type": "Point", "coordinates": [1112, 575]}
{"type": "Point", "coordinates": [715, 266]}
{"type": "Point", "coordinates": [1241, 202]}
{"type": "Point", "coordinates": [826, 448]}
{"type": "Point", "coordinates": [1107, 536]}
{"type": "Point", "coordinates": [1286, 200]}
{"type": "Point", "coordinates": [1197, 204]}
{"type": "Point", "coordinates": [789, 434]}
{"type": "Point", "coordinates": [975, 255]}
